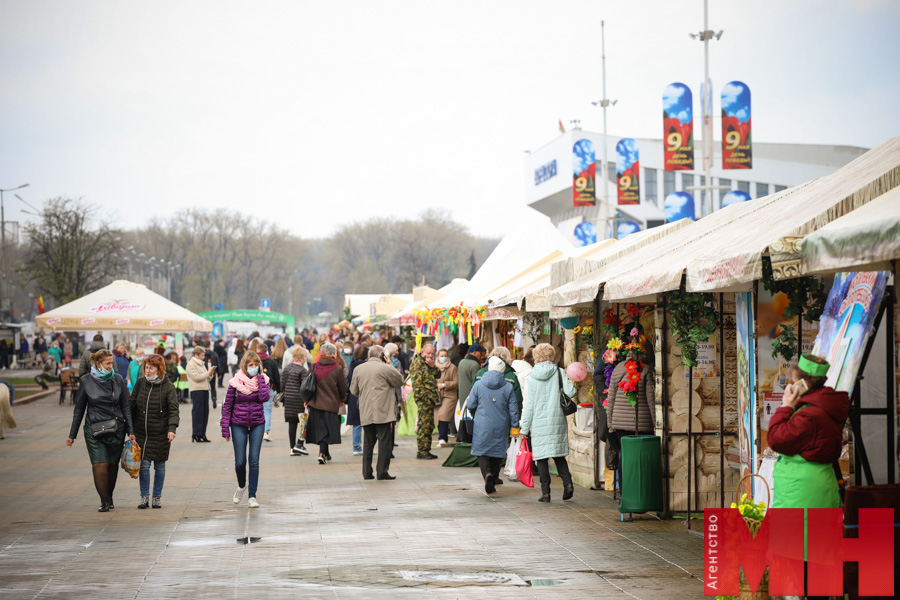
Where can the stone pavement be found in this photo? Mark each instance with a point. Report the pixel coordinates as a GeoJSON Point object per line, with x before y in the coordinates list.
{"type": "Point", "coordinates": [323, 531]}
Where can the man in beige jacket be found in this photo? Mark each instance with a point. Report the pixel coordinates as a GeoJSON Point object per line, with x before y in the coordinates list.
{"type": "Point", "coordinates": [374, 383]}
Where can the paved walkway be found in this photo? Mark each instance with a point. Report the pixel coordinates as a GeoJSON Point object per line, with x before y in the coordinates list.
{"type": "Point", "coordinates": [323, 531]}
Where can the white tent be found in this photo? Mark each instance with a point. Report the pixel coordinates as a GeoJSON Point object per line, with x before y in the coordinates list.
{"type": "Point", "coordinates": [122, 306]}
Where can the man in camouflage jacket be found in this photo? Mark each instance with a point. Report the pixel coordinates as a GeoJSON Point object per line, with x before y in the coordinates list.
{"type": "Point", "coordinates": [424, 375]}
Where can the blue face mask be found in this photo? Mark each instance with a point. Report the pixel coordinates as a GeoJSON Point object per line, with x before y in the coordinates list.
{"type": "Point", "coordinates": [253, 371]}
{"type": "Point", "coordinates": [395, 361]}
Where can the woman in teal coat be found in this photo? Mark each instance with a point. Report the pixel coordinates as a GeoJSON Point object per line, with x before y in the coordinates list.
{"type": "Point", "coordinates": [544, 418]}
{"type": "Point", "coordinates": [492, 401]}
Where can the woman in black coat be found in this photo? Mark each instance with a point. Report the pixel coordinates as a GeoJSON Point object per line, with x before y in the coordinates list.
{"type": "Point", "coordinates": [154, 410]}
{"type": "Point", "coordinates": [291, 379]}
{"type": "Point", "coordinates": [103, 396]}
{"type": "Point", "coordinates": [360, 356]}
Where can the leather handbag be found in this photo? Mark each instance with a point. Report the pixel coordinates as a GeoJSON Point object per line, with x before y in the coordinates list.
{"type": "Point", "coordinates": [567, 404]}
{"type": "Point", "coordinates": [308, 385]}
{"type": "Point", "coordinates": [104, 429]}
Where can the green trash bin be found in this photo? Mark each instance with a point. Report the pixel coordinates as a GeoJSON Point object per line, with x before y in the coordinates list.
{"type": "Point", "coordinates": [641, 474]}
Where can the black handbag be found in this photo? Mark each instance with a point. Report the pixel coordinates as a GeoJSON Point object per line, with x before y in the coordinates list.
{"type": "Point", "coordinates": [567, 404]}
{"type": "Point", "coordinates": [104, 429]}
{"type": "Point", "coordinates": [308, 386]}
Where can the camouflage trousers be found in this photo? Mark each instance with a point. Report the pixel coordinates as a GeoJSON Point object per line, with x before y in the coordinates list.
{"type": "Point", "coordinates": [424, 429]}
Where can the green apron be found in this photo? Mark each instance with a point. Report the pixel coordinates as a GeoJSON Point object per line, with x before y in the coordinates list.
{"type": "Point", "coordinates": [800, 483]}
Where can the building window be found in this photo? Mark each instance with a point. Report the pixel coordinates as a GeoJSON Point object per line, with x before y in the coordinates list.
{"type": "Point", "coordinates": [780, 188]}
{"type": "Point", "coordinates": [650, 185]}
{"type": "Point", "coordinates": [611, 170]}
{"type": "Point", "coordinates": [668, 183]}
{"type": "Point", "coordinates": [744, 186]}
{"type": "Point", "coordinates": [726, 183]}
{"type": "Point", "coordinates": [762, 189]}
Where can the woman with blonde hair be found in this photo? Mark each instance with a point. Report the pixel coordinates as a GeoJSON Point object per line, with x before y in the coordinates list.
{"type": "Point", "coordinates": [103, 397]}
{"type": "Point", "coordinates": [243, 422]}
{"type": "Point", "coordinates": [198, 384]}
{"type": "Point", "coordinates": [447, 386]}
{"type": "Point", "coordinates": [544, 418]}
{"type": "Point", "coordinates": [291, 379]}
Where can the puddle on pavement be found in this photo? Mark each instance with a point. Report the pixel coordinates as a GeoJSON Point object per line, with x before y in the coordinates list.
{"type": "Point", "coordinates": [463, 578]}
{"type": "Point", "coordinates": [248, 540]}
{"type": "Point", "coordinates": [542, 582]}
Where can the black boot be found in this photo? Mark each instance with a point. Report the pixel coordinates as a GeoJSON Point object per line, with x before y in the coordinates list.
{"type": "Point", "coordinates": [568, 491]}
{"type": "Point", "coordinates": [104, 506]}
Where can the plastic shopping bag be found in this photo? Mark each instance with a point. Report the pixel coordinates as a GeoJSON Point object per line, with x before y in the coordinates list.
{"type": "Point", "coordinates": [131, 459]}
{"type": "Point", "coordinates": [523, 465]}
{"type": "Point", "coordinates": [301, 425]}
{"type": "Point", "coordinates": [511, 454]}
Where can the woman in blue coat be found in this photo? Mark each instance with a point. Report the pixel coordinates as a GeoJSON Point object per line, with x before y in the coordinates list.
{"type": "Point", "coordinates": [492, 403]}
{"type": "Point", "coordinates": [544, 418]}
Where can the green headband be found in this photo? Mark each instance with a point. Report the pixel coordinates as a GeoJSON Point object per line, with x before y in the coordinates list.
{"type": "Point", "coordinates": [813, 368]}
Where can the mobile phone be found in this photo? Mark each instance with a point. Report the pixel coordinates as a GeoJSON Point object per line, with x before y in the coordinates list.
{"type": "Point", "coordinates": [801, 387]}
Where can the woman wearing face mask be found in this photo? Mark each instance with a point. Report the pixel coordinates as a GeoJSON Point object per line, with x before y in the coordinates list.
{"type": "Point", "coordinates": [103, 396]}
{"type": "Point", "coordinates": [154, 411]}
{"type": "Point", "coordinates": [447, 384]}
{"type": "Point", "coordinates": [244, 421]}
{"type": "Point", "coordinates": [134, 369]}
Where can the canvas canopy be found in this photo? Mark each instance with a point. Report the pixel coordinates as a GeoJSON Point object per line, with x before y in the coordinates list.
{"type": "Point", "coordinates": [122, 306]}
{"type": "Point", "coordinates": [613, 261]}
{"type": "Point", "coordinates": [422, 298]}
{"type": "Point", "coordinates": [868, 237]}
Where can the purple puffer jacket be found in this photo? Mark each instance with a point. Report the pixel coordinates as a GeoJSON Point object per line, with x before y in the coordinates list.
{"type": "Point", "coordinates": [242, 409]}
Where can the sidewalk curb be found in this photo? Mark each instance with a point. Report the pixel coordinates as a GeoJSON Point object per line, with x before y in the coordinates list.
{"type": "Point", "coordinates": [33, 397]}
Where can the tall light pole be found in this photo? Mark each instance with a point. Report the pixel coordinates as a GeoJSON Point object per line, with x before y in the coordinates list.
{"type": "Point", "coordinates": [706, 104]}
{"type": "Point", "coordinates": [5, 298]}
{"type": "Point", "coordinates": [604, 103]}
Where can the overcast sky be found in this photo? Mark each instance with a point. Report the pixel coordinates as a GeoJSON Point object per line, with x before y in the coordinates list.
{"type": "Point", "coordinates": [316, 113]}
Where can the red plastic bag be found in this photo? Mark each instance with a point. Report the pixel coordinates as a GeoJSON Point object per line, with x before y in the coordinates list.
{"type": "Point", "coordinates": [523, 465]}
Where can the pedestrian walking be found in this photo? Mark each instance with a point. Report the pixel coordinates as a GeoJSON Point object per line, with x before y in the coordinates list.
{"type": "Point", "coordinates": [424, 377]}
{"type": "Point", "coordinates": [360, 356]}
{"type": "Point", "coordinates": [134, 368]}
{"type": "Point", "coordinates": [55, 351]}
{"type": "Point", "coordinates": [84, 365]}
{"type": "Point", "coordinates": [211, 361]}
{"type": "Point", "coordinates": [375, 383]}
{"type": "Point", "coordinates": [103, 397]}
{"type": "Point", "coordinates": [243, 422]}
{"type": "Point", "coordinates": [222, 364]}
{"type": "Point", "coordinates": [199, 376]}
{"type": "Point", "coordinates": [492, 403]}
{"type": "Point", "coordinates": [154, 412]}
{"type": "Point", "coordinates": [544, 419]}
{"type": "Point", "coordinates": [240, 347]}
{"type": "Point", "coordinates": [324, 425]}
{"type": "Point", "coordinates": [48, 371]}
{"type": "Point", "coordinates": [120, 352]}
{"type": "Point", "coordinates": [291, 380]}
{"type": "Point", "coordinates": [270, 368]}
{"type": "Point", "coordinates": [447, 385]}
{"type": "Point", "coordinates": [68, 352]}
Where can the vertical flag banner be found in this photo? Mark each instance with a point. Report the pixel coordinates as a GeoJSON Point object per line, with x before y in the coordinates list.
{"type": "Point", "coordinates": [737, 146]}
{"type": "Point", "coordinates": [628, 170]}
{"type": "Point", "coordinates": [679, 205]}
{"type": "Point", "coordinates": [584, 192]}
{"type": "Point", "coordinates": [735, 196]}
{"type": "Point", "coordinates": [678, 127]}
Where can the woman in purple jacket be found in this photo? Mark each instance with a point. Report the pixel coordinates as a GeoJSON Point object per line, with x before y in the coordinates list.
{"type": "Point", "coordinates": [244, 420]}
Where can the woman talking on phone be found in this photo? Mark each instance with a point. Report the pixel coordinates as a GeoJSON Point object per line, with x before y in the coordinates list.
{"type": "Point", "coordinates": [102, 394]}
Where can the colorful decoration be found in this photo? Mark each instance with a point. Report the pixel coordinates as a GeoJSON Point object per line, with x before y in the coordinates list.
{"type": "Point", "coordinates": [633, 369]}
{"type": "Point", "coordinates": [434, 321]}
{"type": "Point", "coordinates": [678, 128]}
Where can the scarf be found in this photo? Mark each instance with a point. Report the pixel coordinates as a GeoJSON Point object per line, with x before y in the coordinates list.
{"type": "Point", "coordinates": [199, 360]}
{"type": "Point", "coordinates": [443, 366]}
{"type": "Point", "coordinates": [97, 375]}
{"type": "Point", "coordinates": [245, 384]}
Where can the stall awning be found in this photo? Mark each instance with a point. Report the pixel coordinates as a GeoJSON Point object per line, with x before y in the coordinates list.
{"type": "Point", "coordinates": [586, 287]}
{"type": "Point", "coordinates": [867, 237]}
{"type": "Point", "coordinates": [122, 306]}
{"type": "Point", "coordinates": [736, 256]}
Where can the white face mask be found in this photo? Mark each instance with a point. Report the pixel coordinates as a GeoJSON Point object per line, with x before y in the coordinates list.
{"type": "Point", "coordinates": [444, 359]}
{"type": "Point", "coordinates": [153, 378]}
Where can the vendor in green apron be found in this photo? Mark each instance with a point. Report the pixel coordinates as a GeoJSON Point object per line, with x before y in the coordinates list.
{"type": "Point", "coordinates": [807, 431]}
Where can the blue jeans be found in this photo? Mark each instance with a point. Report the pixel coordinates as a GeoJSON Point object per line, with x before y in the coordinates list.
{"type": "Point", "coordinates": [267, 408]}
{"type": "Point", "coordinates": [357, 438]}
{"type": "Point", "coordinates": [159, 477]}
{"type": "Point", "coordinates": [239, 437]}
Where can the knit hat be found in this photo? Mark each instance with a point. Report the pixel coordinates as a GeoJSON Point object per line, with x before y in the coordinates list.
{"type": "Point", "coordinates": [495, 363]}
{"type": "Point", "coordinates": [390, 348]}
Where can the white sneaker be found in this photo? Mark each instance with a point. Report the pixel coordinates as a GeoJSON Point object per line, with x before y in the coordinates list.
{"type": "Point", "coordinates": [238, 495]}
{"type": "Point", "coordinates": [301, 450]}
{"type": "Point", "coordinates": [295, 452]}
{"type": "Point", "coordinates": [252, 503]}
{"type": "Point", "coordinates": [441, 443]}
{"type": "Point", "coordinates": [357, 453]}
{"type": "Point", "coordinates": [266, 437]}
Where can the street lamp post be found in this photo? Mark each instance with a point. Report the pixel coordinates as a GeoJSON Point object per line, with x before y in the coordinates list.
{"type": "Point", "coordinates": [3, 243]}
{"type": "Point", "coordinates": [604, 103]}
